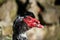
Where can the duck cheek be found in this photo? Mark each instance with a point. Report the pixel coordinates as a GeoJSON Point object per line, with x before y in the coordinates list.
{"type": "Point", "coordinates": [22, 37]}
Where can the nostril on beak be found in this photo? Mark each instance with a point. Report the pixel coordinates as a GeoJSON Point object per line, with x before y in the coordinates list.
{"type": "Point", "coordinates": [24, 38]}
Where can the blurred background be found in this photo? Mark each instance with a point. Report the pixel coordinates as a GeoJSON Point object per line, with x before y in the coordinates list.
{"type": "Point", "coordinates": [51, 17]}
